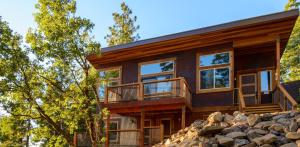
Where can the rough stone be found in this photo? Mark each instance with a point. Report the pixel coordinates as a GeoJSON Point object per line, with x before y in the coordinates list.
{"type": "Point", "coordinates": [263, 125]}
{"type": "Point", "coordinates": [235, 135]}
{"type": "Point", "coordinates": [289, 145]}
{"type": "Point", "coordinates": [252, 144]}
{"type": "Point", "coordinates": [224, 141]}
{"type": "Point", "coordinates": [215, 117]}
{"type": "Point", "coordinates": [228, 118]}
{"type": "Point", "coordinates": [267, 139]}
{"type": "Point", "coordinates": [293, 135]}
{"type": "Point", "coordinates": [277, 127]}
{"type": "Point", "coordinates": [231, 129]}
{"type": "Point", "coordinates": [293, 126]}
{"type": "Point", "coordinates": [284, 121]}
{"type": "Point", "coordinates": [240, 142]}
{"type": "Point", "coordinates": [210, 130]}
{"type": "Point", "coordinates": [253, 119]}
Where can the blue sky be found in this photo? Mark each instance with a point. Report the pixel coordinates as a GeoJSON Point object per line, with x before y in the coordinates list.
{"type": "Point", "coordinates": [155, 17]}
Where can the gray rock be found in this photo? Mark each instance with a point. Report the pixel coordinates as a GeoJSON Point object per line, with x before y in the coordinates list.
{"type": "Point", "coordinates": [240, 142]}
{"type": "Point", "coordinates": [279, 116]}
{"type": "Point", "coordinates": [210, 130]}
{"type": "Point", "coordinates": [293, 135]}
{"type": "Point", "coordinates": [293, 126]}
{"type": "Point", "coordinates": [267, 139]}
{"type": "Point", "coordinates": [234, 135]}
{"type": "Point", "coordinates": [231, 129]}
{"type": "Point", "coordinates": [228, 118]}
{"type": "Point", "coordinates": [263, 125]}
{"type": "Point", "coordinates": [284, 121]}
{"type": "Point", "coordinates": [289, 145]}
{"type": "Point", "coordinates": [266, 145]}
{"type": "Point", "coordinates": [277, 127]}
{"type": "Point", "coordinates": [253, 119]}
{"type": "Point", "coordinates": [252, 144]}
{"type": "Point", "coordinates": [215, 117]}
{"type": "Point", "coordinates": [224, 141]}
{"type": "Point", "coordinates": [256, 133]}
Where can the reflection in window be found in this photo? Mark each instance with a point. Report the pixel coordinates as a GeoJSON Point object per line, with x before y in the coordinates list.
{"type": "Point", "coordinates": [157, 67]}
{"type": "Point", "coordinates": [214, 59]}
{"type": "Point", "coordinates": [214, 71]}
{"type": "Point", "coordinates": [154, 72]}
{"type": "Point", "coordinates": [113, 136]}
{"type": "Point", "coordinates": [110, 77]}
{"type": "Point", "coordinates": [266, 81]}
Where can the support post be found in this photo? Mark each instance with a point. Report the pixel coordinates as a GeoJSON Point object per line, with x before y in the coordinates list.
{"type": "Point", "coordinates": [107, 131]}
{"type": "Point", "coordinates": [183, 117]}
{"type": "Point", "coordinates": [161, 132]}
{"type": "Point", "coordinates": [278, 60]}
{"type": "Point", "coordinates": [141, 91]}
{"type": "Point", "coordinates": [142, 128]}
{"type": "Point", "coordinates": [75, 139]}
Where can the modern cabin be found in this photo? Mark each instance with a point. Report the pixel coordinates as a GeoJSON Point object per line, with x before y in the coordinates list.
{"type": "Point", "coordinates": [157, 86]}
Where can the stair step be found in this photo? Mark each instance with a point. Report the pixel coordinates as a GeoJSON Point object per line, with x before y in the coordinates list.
{"type": "Point", "coordinates": [262, 108]}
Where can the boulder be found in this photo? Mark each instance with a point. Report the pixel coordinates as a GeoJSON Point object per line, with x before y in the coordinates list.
{"type": "Point", "coordinates": [284, 121]}
{"type": "Point", "coordinates": [240, 142]}
{"type": "Point", "coordinates": [234, 135]}
{"type": "Point", "coordinates": [210, 130]}
{"type": "Point", "coordinates": [277, 127]}
{"type": "Point", "coordinates": [224, 141]}
{"type": "Point", "coordinates": [231, 129]}
{"type": "Point", "coordinates": [267, 139]}
{"type": "Point", "coordinates": [228, 118]}
{"type": "Point", "coordinates": [293, 126]}
{"type": "Point", "coordinates": [289, 145]}
{"type": "Point", "coordinates": [252, 144]}
{"type": "Point", "coordinates": [293, 135]}
{"type": "Point", "coordinates": [263, 125]}
{"type": "Point", "coordinates": [215, 117]}
{"type": "Point", "coordinates": [253, 119]}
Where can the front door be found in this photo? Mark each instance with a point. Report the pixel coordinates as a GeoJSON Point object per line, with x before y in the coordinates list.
{"type": "Point", "coordinates": [248, 85]}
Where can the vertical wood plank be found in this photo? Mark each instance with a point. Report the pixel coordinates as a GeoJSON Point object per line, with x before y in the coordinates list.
{"type": "Point", "coordinates": [183, 117]}
{"type": "Point", "coordinates": [278, 60]}
{"type": "Point", "coordinates": [106, 95]}
{"type": "Point", "coordinates": [258, 87]}
{"type": "Point", "coordinates": [161, 132]}
{"type": "Point", "coordinates": [142, 128]}
{"type": "Point", "coordinates": [75, 142]}
{"type": "Point", "coordinates": [107, 131]}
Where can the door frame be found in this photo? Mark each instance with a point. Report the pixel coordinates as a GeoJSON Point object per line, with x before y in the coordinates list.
{"type": "Point", "coordinates": [255, 84]}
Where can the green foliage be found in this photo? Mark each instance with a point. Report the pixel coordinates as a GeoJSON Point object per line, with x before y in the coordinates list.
{"type": "Point", "coordinates": [51, 82]}
{"type": "Point", "coordinates": [124, 30]}
{"type": "Point", "coordinates": [290, 61]}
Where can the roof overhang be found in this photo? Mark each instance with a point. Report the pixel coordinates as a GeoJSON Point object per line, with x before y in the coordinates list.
{"type": "Point", "coordinates": [241, 33]}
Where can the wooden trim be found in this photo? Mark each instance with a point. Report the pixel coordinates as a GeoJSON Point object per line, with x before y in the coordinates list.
{"type": "Point", "coordinates": [230, 65]}
{"type": "Point", "coordinates": [259, 87]}
{"type": "Point", "coordinates": [153, 62]}
{"type": "Point", "coordinates": [278, 60]}
{"type": "Point", "coordinates": [242, 85]}
{"type": "Point", "coordinates": [214, 108]}
{"type": "Point", "coordinates": [288, 96]}
{"type": "Point", "coordinates": [107, 131]}
{"type": "Point", "coordinates": [142, 128]}
{"type": "Point", "coordinates": [255, 70]}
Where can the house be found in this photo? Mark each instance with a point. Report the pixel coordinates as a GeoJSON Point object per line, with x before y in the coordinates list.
{"type": "Point", "coordinates": [157, 86]}
{"type": "Point", "coordinates": [293, 88]}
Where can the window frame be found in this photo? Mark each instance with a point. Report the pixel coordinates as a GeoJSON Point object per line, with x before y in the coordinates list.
{"type": "Point", "coordinates": [140, 76]}
{"type": "Point", "coordinates": [119, 79]}
{"type": "Point", "coordinates": [114, 120]}
{"type": "Point", "coordinates": [229, 65]}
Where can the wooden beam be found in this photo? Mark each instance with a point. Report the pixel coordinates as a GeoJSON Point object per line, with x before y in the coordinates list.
{"type": "Point", "coordinates": [107, 131]}
{"type": "Point", "coordinates": [75, 141]}
{"type": "Point", "coordinates": [142, 128]}
{"type": "Point", "coordinates": [278, 60]}
{"type": "Point", "coordinates": [183, 117]}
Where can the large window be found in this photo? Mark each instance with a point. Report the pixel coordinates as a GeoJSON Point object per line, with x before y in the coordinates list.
{"type": "Point", "coordinates": [214, 71]}
{"type": "Point", "coordinates": [157, 70]}
{"type": "Point", "coordinates": [108, 77]}
{"type": "Point", "coordinates": [266, 81]}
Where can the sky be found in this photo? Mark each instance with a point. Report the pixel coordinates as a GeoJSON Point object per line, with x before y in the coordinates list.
{"type": "Point", "coordinates": [155, 17]}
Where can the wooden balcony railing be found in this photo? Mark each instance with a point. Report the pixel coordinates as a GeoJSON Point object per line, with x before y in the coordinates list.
{"type": "Point", "coordinates": [284, 99]}
{"type": "Point", "coordinates": [169, 88]}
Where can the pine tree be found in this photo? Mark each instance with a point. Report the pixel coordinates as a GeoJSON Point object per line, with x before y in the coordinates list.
{"type": "Point", "coordinates": [124, 30]}
{"type": "Point", "coordinates": [290, 61]}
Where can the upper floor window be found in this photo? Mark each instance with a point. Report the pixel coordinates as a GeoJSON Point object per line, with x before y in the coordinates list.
{"type": "Point", "coordinates": [108, 77]}
{"type": "Point", "coordinates": [154, 71]}
{"type": "Point", "coordinates": [214, 71]}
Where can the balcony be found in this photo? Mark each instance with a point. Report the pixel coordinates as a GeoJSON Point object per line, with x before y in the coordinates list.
{"type": "Point", "coordinates": [170, 91]}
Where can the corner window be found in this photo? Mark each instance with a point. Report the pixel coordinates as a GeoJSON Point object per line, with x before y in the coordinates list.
{"type": "Point", "coordinates": [108, 77]}
{"type": "Point", "coordinates": [214, 71]}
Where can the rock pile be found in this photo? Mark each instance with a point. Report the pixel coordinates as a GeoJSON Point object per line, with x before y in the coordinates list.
{"type": "Point", "coordinates": [239, 130]}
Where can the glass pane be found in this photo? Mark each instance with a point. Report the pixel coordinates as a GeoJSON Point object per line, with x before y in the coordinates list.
{"type": "Point", "coordinates": [157, 67]}
{"type": "Point", "coordinates": [265, 81]}
{"type": "Point", "coordinates": [221, 77]}
{"type": "Point", "coordinates": [109, 74]}
{"type": "Point", "coordinates": [214, 59]}
{"type": "Point", "coordinates": [101, 89]}
{"type": "Point", "coordinates": [207, 79]}
{"type": "Point", "coordinates": [152, 88]}
{"type": "Point", "coordinates": [113, 136]}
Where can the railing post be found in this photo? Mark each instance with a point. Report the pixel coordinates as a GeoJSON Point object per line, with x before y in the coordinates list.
{"type": "Point", "coordinates": [142, 128]}
{"type": "Point", "coordinates": [183, 117]}
{"type": "Point", "coordinates": [141, 91]}
{"type": "Point", "coordinates": [107, 130]}
{"type": "Point", "coordinates": [106, 95]}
